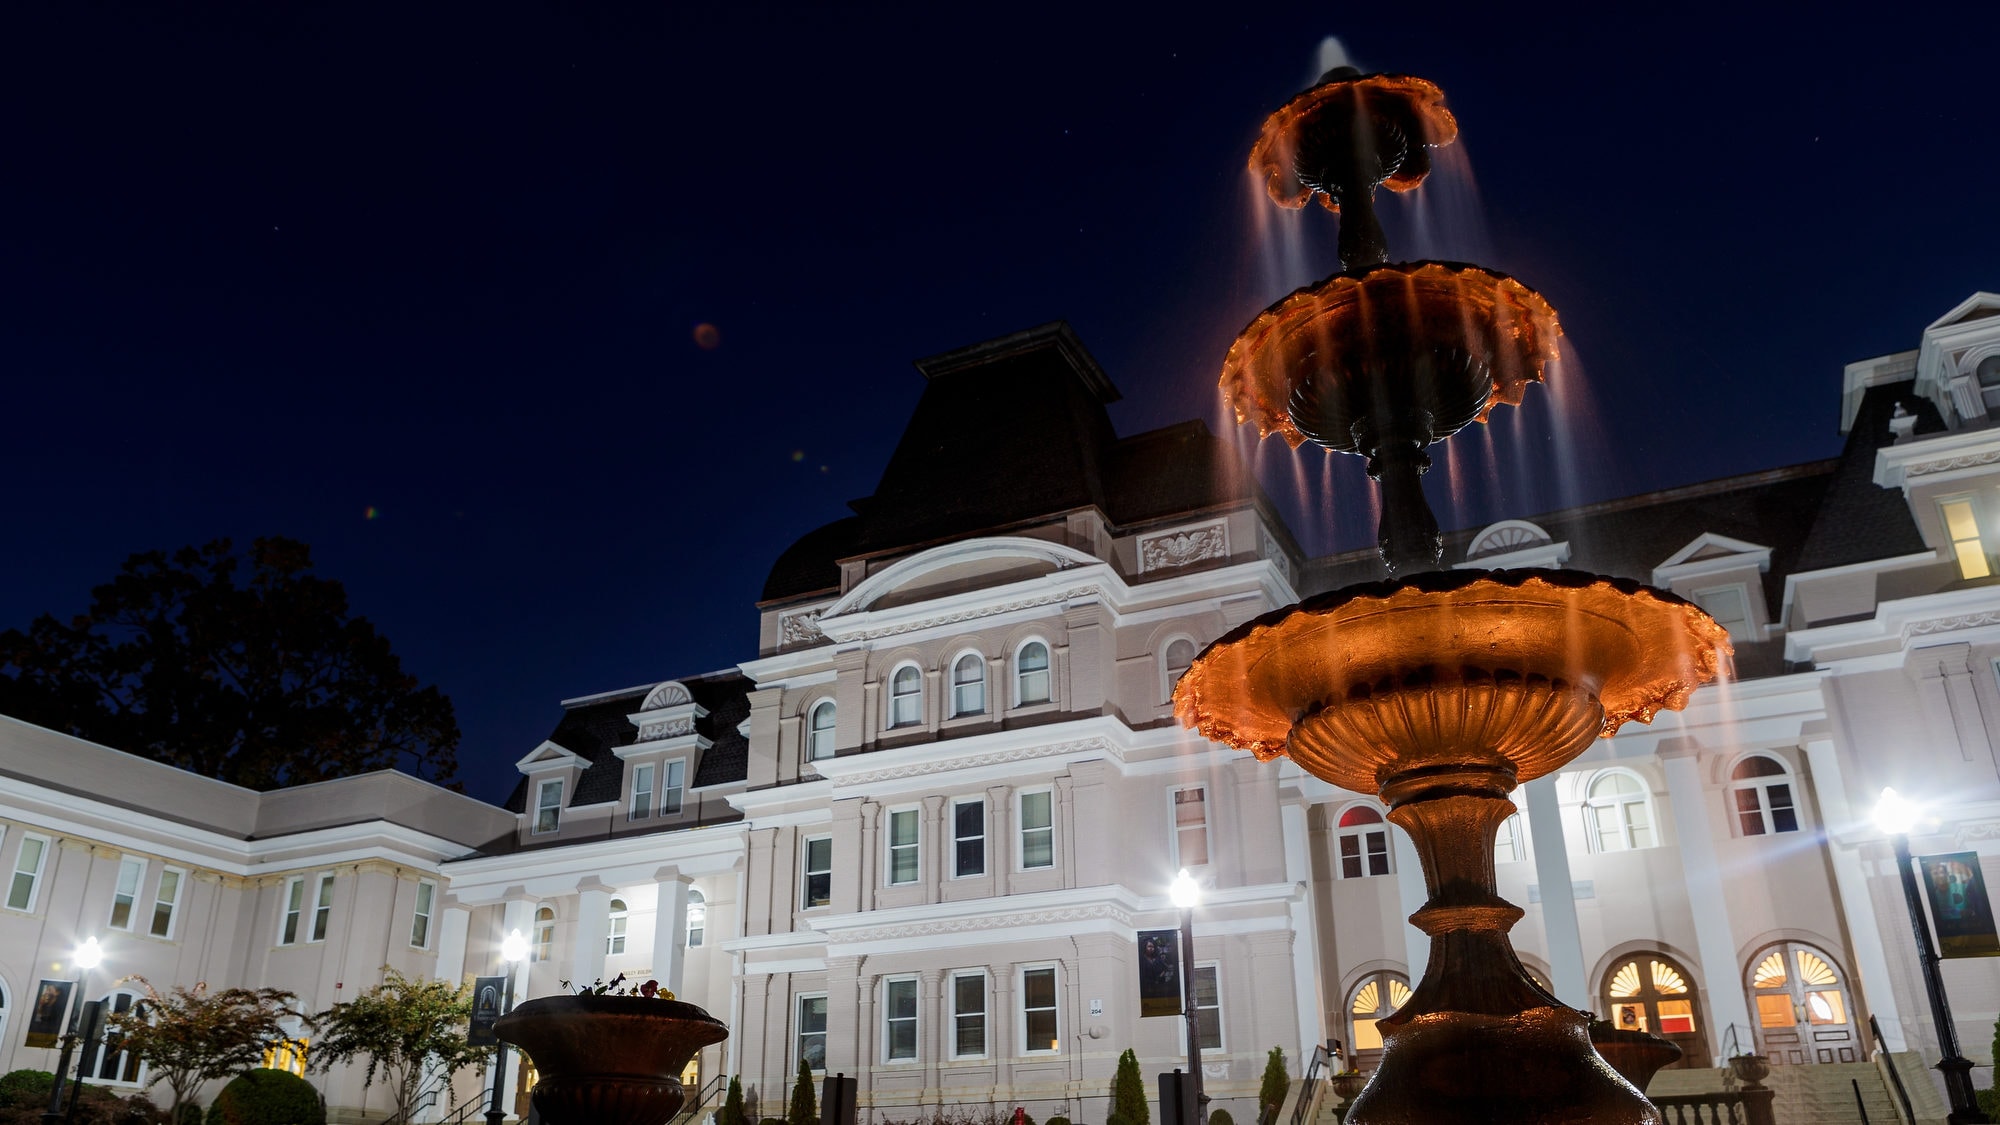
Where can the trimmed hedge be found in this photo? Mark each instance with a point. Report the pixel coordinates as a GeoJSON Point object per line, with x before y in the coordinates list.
{"type": "Point", "coordinates": [27, 1088]}
{"type": "Point", "coordinates": [267, 1097]}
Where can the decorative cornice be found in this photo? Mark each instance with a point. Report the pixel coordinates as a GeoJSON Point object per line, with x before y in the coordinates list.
{"type": "Point", "coordinates": [1090, 912]}
{"type": "Point", "coordinates": [973, 761]}
{"type": "Point", "coordinates": [972, 614]}
{"type": "Point", "coordinates": [1184, 546]}
{"type": "Point", "coordinates": [1947, 464]}
{"type": "Point", "coordinates": [1950, 624]}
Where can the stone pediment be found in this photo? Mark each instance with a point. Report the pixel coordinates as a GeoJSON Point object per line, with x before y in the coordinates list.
{"type": "Point", "coordinates": [549, 756]}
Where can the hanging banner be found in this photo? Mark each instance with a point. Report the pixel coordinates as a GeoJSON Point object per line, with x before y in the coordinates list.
{"type": "Point", "coordinates": [45, 1019]}
{"type": "Point", "coordinates": [1960, 906]}
{"type": "Point", "coordinates": [1159, 973]}
{"type": "Point", "coordinates": [487, 993]}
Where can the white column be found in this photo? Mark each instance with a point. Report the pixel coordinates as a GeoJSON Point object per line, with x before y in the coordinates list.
{"type": "Point", "coordinates": [1715, 942]}
{"type": "Point", "coordinates": [1545, 831]}
{"type": "Point", "coordinates": [1410, 890]}
{"type": "Point", "coordinates": [1850, 878]}
{"type": "Point", "coordinates": [1305, 942]}
{"type": "Point", "coordinates": [593, 925]}
{"type": "Point", "coordinates": [670, 930]}
{"type": "Point", "coordinates": [452, 927]}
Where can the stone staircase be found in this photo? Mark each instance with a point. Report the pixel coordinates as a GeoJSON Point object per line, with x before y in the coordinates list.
{"type": "Point", "coordinates": [1823, 1094]}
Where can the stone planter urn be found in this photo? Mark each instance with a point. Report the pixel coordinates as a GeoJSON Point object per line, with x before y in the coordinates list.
{"type": "Point", "coordinates": [1750, 1069]}
{"type": "Point", "coordinates": [609, 1060]}
{"type": "Point", "coordinates": [1348, 1084]}
{"type": "Point", "coordinates": [1636, 1055]}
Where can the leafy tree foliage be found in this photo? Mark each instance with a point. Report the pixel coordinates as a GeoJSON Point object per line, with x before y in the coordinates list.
{"type": "Point", "coordinates": [191, 1035]}
{"type": "Point", "coordinates": [1128, 1091]}
{"type": "Point", "coordinates": [399, 1026]}
{"type": "Point", "coordinates": [244, 667]}
{"type": "Point", "coordinates": [804, 1109]}
{"type": "Point", "coordinates": [1277, 1083]}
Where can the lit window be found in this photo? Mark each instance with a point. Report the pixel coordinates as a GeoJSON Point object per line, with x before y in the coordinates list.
{"type": "Point", "coordinates": [902, 847]}
{"type": "Point", "coordinates": [968, 1015]}
{"type": "Point", "coordinates": [1376, 998]}
{"type": "Point", "coordinates": [545, 933]}
{"type": "Point", "coordinates": [1179, 656]}
{"type": "Point", "coordinates": [27, 872]}
{"type": "Point", "coordinates": [968, 843]}
{"type": "Point", "coordinates": [675, 786]}
{"type": "Point", "coordinates": [1620, 812]}
{"type": "Point", "coordinates": [1031, 674]}
{"type": "Point", "coordinates": [1208, 1006]}
{"type": "Point", "coordinates": [322, 916]}
{"type": "Point", "coordinates": [1508, 844]}
{"type": "Point", "coordinates": [125, 895]}
{"type": "Point", "coordinates": [1961, 525]}
{"type": "Point", "coordinates": [288, 1055]}
{"type": "Point", "coordinates": [642, 791]}
{"type": "Point", "coordinates": [906, 697]}
{"type": "Point", "coordinates": [614, 937]}
{"type": "Point", "coordinates": [1363, 842]}
{"type": "Point", "coordinates": [167, 902]}
{"type": "Point", "coordinates": [1730, 606]}
{"type": "Point", "coordinates": [697, 918]}
{"type": "Point", "coordinates": [420, 920]}
{"type": "Point", "coordinates": [109, 1061]}
{"type": "Point", "coordinates": [816, 883]}
{"type": "Point", "coordinates": [968, 685]}
{"type": "Point", "coordinates": [899, 1019]}
{"type": "Point", "coordinates": [819, 731]}
{"type": "Point", "coordinates": [295, 894]}
{"type": "Point", "coordinates": [1040, 1031]}
{"type": "Point", "coordinates": [812, 1031]}
{"type": "Point", "coordinates": [1038, 833]}
{"type": "Point", "coordinates": [548, 806]}
{"type": "Point", "coordinates": [1191, 827]}
{"type": "Point", "coordinates": [1652, 994]}
{"type": "Point", "coordinates": [1762, 792]}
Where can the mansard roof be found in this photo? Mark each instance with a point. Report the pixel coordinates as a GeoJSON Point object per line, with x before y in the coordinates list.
{"type": "Point", "coordinates": [1859, 520]}
{"type": "Point", "coordinates": [596, 728]}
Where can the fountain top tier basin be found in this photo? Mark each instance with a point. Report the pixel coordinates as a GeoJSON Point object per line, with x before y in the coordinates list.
{"type": "Point", "coordinates": [1515, 671]}
{"type": "Point", "coordinates": [1388, 121]}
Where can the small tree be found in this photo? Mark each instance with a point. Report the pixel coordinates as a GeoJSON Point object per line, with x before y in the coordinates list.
{"type": "Point", "coordinates": [191, 1035]}
{"type": "Point", "coordinates": [804, 1109]}
{"type": "Point", "coordinates": [400, 1026]}
{"type": "Point", "coordinates": [732, 1105]}
{"type": "Point", "coordinates": [1277, 1083]}
{"type": "Point", "coordinates": [1128, 1091]}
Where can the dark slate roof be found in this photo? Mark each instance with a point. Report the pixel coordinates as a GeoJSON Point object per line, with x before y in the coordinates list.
{"type": "Point", "coordinates": [595, 729]}
{"type": "Point", "coordinates": [1860, 520]}
{"type": "Point", "coordinates": [1009, 432]}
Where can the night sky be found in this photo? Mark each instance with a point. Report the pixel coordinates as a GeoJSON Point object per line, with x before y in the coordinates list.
{"type": "Point", "coordinates": [420, 284]}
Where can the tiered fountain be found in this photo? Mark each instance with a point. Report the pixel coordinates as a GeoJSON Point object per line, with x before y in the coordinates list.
{"type": "Point", "coordinates": [1438, 691]}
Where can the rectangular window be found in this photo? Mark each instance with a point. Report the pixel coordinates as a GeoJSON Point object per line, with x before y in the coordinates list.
{"type": "Point", "coordinates": [642, 791]}
{"type": "Point", "coordinates": [968, 1015]}
{"type": "Point", "coordinates": [548, 806]}
{"type": "Point", "coordinates": [899, 1019]}
{"type": "Point", "coordinates": [812, 1031]}
{"type": "Point", "coordinates": [167, 902]}
{"type": "Point", "coordinates": [670, 793]}
{"type": "Point", "coordinates": [27, 879]}
{"type": "Point", "coordinates": [1038, 833]}
{"type": "Point", "coordinates": [322, 907]}
{"type": "Point", "coordinates": [295, 895]}
{"type": "Point", "coordinates": [1208, 1006]}
{"type": "Point", "coordinates": [1730, 606]}
{"type": "Point", "coordinates": [1191, 826]}
{"type": "Point", "coordinates": [968, 838]}
{"type": "Point", "coordinates": [816, 881]}
{"type": "Point", "coordinates": [1364, 853]}
{"type": "Point", "coordinates": [1039, 1033]}
{"type": "Point", "coordinates": [902, 847]}
{"type": "Point", "coordinates": [420, 922]}
{"type": "Point", "coordinates": [1962, 526]}
{"type": "Point", "coordinates": [125, 896]}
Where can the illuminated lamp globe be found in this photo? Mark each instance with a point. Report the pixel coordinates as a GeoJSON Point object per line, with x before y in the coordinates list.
{"type": "Point", "coordinates": [89, 955]}
{"type": "Point", "coordinates": [514, 948]}
{"type": "Point", "coordinates": [1896, 814]}
{"type": "Point", "coordinates": [1185, 892]}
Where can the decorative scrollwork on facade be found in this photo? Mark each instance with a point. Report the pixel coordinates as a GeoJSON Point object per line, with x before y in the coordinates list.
{"type": "Point", "coordinates": [668, 694]}
{"type": "Point", "coordinates": [1950, 624]}
{"type": "Point", "coordinates": [1947, 464]}
{"type": "Point", "coordinates": [671, 728]}
{"type": "Point", "coordinates": [801, 628]}
{"type": "Point", "coordinates": [1183, 547]}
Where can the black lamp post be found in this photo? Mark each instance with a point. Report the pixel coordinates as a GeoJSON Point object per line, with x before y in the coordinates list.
{"type": "Point", "coordinates": [513, 950]}
{"type": "Point", "coordinates": [87, 957]}
{"type": "Point", "coordinates": [1186, 894]}
{"type": "Point", "coordinates": [1896, 816]}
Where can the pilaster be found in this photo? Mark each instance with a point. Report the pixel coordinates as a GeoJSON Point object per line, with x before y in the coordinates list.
{"type": "Point", "coordinates": [1715, 941]}
{"type": "Point", "coordinates": [1559, 922]}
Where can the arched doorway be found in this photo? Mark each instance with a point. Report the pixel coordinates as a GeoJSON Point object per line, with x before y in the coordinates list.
{"type": "Point", "coordinates": [1802, 1006]}
{"type": "Point", "coordinates": [1375, 998]}
{"type": "Point", "coordinates": [1652, 992]}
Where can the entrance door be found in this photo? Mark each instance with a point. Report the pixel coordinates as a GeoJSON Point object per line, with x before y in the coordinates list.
{"type": "Point", "coordinates": [1373, 1000]}
{"type": "Point", "coordinates": [1803, 1014]}
{"type": "Point", "coordinates": [1651, 992]}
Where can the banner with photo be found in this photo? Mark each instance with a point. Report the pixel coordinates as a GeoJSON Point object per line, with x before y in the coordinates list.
{"type": "Point", "coordinates": [1159, 973]}
{"type": "Point", "coordinates": [1959, 905]}
{"type": "Point", "coordinates": [45, 1019]}
{"type": "Point", "coordinates": [487, 995]}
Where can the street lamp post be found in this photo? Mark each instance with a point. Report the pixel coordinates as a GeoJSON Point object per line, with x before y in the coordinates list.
{"type": "Point", "coordinates": [513, 950]}
{"type": "Point", "coordinates": [1896, 815]}
{"type": "Point", "coordinates": [1186, 894]}
{"type": "Point", "coordinates": [88, 956]}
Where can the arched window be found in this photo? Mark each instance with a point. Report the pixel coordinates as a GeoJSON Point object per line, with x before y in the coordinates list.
{"type": "Point", "coordinates": [819, 731]}
{"type": "Point", "coordinates": [1031, 674]}
{"type": "Point", "coordinates": [1375, 998]}
{"type": "Point", "coordinates": [109, 1061]}
{"type": "Point", "coordinates": [1652, 992]}
{"type": "Point", "coordinates": [545, 933]}
{"type": "Point", "coordinates": [1620, 812]}
{"type": "Point", "coordinates": [614, 938]}
{"type": "Point", "coordinates": [906, 697]}
{"type": "Point", "coordinates": [1761, 792]}
{"type": "Point", "coordinates": [1801, 1007]}
{"type": "Point", "coordinates": [1174, 662]}
{"type": "Point", "coordinates": [1363, 843]}
{"type": "Point", "coordinates": [697, 918]}
{"type": "Point", "coordinates": [968, 685]}
{"type": "Point", "coordinates": [1510, 844]}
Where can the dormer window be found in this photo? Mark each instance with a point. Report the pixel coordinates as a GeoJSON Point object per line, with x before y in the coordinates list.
{"type": "Point", "coordinates": [548, 806]}
{"type": "Point", "coordinates": [1961, 526]}
{"type": "Point", "coordinates": [1730, 606]}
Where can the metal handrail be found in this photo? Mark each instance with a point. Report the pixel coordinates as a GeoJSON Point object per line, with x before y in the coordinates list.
{"type": "Point", "coordinates": [1889, 1060]}
{"type": "Point", "coordinates": [710, 1090]}
{"type": "Point", "coordinates": [1308, 1086]}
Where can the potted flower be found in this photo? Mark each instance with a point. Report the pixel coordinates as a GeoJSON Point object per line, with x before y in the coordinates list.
{"type": "Point", "coordinates": [1636, 1055]}
{"type": "Point", "coordinates": [610, 1053]}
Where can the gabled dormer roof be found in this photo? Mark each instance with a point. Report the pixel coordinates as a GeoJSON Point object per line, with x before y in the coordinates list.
{"type": "Point", "coordinates": [1710, 553]}
{"type": "Point", "coordinates": [548, 757]}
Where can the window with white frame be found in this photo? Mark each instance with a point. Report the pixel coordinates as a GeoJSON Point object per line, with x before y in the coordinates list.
{"type": "Point", "coordinates": [642, 790]}
{"type": "Point", "coordinates": [167, 902]}
{"type": "Point", "coordinates": [819, 731]}
{"type": "Point", "coordinates": [811, 1043]}
{"type": "Point", "coordinates": [899, 1019]}
{"type": "Point", "coordinates": [1031, 674]}
{"type": "Point", "coordinates": [545, 934]}
{"type": "Point", "coordinates": [906, 697]}
{"type": "Point", "coordinates": [1041, 1031]}
{"type": "Point", "coordinates": [1190, 811]}
{"type": "Point", "coordinates": [1961, 526]}
{"type": "Point", "coordinates": [322, 917]}
{"type": "Point", "coordinates": [1175, 662]}
{"type": "Point", "coordinates": [109, 1061]}
{"type": "Point", "coordinates": [614, 934]}
{"type": "Point", "coordinates": [902, 838]}
{"type": "Point", "coordinates": [420, 917]}
{"type": "Point", "coordinates": [1620, 811]}
{"type": "Point", "coordinates": [1038, 830]}
{"type": "Point", "coordinates": [125, 893]}
{"type": "Point", "coordinates": [1362, 843]}
{"type": "Point", "coordinates": [1760, 787]}
{"type": "Point", "coordinates": [1730, 606]}
{"type": "Point", "coordinates": [5, 999]}
{"type": "Point", "coordinates": [294, 903]}
{"type": "Point", "coordinates": [1208, 1006]}
{"type": "Point", "coordinates": [548, 805]}
{"type": "Point", "coordinates": [697, 925]}
{"type": "Point", "coordinates": [968, 685]}
{"type": "Point", "coordinates": [1510, 844]}
{"type": "Point", "coordinates": [674, 786]}
{"type": "Point", "coordinates": [968, 838]}
{"type": "Point", "coordinates": [968, 1015]}
{"type": "Point", "coordinates": [816, 874]}
{"type": "Point", "coordinates": [25, 886]}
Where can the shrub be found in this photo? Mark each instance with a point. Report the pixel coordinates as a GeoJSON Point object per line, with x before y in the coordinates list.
{"type": "Point", "coordinates": [1276, 1084]}
{"type": "Point", "coordinates": [267, 1097]}
{"type": "Point", "coordinates": [732, 1106]}
{"type": "Point", "coordinates": [771, 1121]}
{"type": "Point", "coordinates": [804, 1109]}
{"type": "Point", "coordinates": [1220, 1117]}
{"type": "Point", "coordinates": [1058, 1120]}
{"type": "Point", "coordinates": [1116, 1119]}
{"type": "Point", "coordinates": [190, 1114]}
{"type": "Point", "coordinates": [26, 1088]}
{"type": "Point", "coordinates": [1128, 1091]}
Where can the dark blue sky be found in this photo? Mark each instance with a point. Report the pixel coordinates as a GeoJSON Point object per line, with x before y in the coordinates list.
{"type": "Point", "coordinates": [263, 270]}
